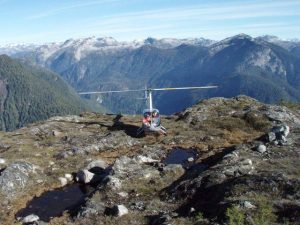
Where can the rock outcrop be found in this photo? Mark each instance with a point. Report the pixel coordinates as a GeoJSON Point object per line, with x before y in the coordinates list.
{"type": "Point", "coordinates": [15, 178]}
{"type": "Point", "coordinates": [240, 155]}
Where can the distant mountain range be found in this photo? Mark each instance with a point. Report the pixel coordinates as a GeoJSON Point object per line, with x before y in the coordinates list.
{"type": "Point", "coordinates": [29, 94]}
{"type": "Point", "coordinates": [266, 68]}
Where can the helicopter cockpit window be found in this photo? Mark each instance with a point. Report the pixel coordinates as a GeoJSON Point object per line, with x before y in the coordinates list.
{"type": "Point", "coordinates": [155, 114]}
{"type": "Point", "coordinates": [147, 114]}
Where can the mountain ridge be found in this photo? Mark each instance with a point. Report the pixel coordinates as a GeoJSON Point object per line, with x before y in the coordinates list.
{"type": "Point", "coordinates": [236, 64]}
{"type": "Point", "coordinates": [30, 94]}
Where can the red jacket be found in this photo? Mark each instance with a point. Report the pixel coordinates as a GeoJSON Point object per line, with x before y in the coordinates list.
{"type": "Point", "coordinates": [146, 121]}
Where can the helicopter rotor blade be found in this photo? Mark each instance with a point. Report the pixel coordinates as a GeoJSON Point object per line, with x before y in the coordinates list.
{"type": "Point", "coordinates": [147, 89]}
{"type": "Point", "coordinates": [183, 88]}
{"type": "Point", "coordinates": [104, 92]}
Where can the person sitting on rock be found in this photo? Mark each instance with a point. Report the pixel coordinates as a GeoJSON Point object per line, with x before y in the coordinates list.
{"type": "Point", "coordinates": [146, 121]}
{"type": "Point", "coordinates": [155, 119]}
{"type": "Point", "coordinates": [154, 114]}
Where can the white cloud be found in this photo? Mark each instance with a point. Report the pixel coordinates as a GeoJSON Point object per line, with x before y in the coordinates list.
{"type": "Point", "coordinates": [177, 21]}
{"type": "Point", "coordinates": [206, 19]}
{"type": "Point", "coordinates": [209, 20]}
{"type": "Point", "coordinates": [211, 12]}
{"type": "Point", "coordinates": [68, 7]}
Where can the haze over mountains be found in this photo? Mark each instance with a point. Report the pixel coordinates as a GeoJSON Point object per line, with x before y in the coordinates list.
{"type": "Point", "coordinates": [265, 68]}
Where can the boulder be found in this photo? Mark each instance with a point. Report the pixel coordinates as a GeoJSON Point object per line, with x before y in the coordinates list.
{"type": "Point", "coordinates": [119, 210]}
{"type": "Point", "coordinates": [85, 176]}
{"type": "Point", "coordinates": [246, 162]}
{"type": "Point", "coordinates": [97, 166]}
{"type": "Point", "coordinates": [190, 159]}
{"type": "Point", "coordinates": [15, 177]}
{"type": "Point", "coordinates": [69, 177]}
{"type": "Point", "coordinates": [56, 133]}
{"type": "Point", "coordinates": [30, 219]}
{"type": "Point", "coordinates": [271, 136]}
{"type": "Point", "coordinates": [286, 131]}
{"type": "Point", "coordinates": [238, 168]}
{"type": "Point", "coordinates": [261, 148]}
{"type": "Point", "coordinates": [2, 161]}
{"type": "Point", "coordinates": [282, 130]}
{"type": "Point", "coordinates": [63, 181]}
{"type": "Point", "coordinates": [248, 205]}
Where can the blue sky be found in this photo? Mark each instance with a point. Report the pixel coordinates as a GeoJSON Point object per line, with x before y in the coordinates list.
{"type": "Point", "coordinates": [40, 21]}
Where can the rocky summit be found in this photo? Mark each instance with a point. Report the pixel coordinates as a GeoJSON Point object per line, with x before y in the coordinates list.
{"type": "Point", "coordinates": [223, 161]}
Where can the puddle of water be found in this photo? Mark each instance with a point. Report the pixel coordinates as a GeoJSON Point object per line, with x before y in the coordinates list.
{"type": "Point", "coordinates": [180, 156]}
{"type": "Point", "coordinates": [55, 202]}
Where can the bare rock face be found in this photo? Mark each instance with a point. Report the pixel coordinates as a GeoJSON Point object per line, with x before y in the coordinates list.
{"type": "Point", "coordinates": [219, 107]}
{"type": "Point", "coordinates": [116, 169]}
{"type": "Point", "coordinates": [281, 114]}
{"type": "Point", "coordinates": [125, 165]}
{"type": "Point", "coordinates": [98, 143]}
{"type": "Point", "coordinates": [240, 106]}
{"type": "Point", "coordinates": [15, 178]}
{"type": "Point", "coordinates": [92, 208]}
{"type": "Point", "coordinates": [115, 140]}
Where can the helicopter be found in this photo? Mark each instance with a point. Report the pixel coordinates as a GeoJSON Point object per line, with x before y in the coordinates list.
{"type": "Point", "coordinates": [151, 117]}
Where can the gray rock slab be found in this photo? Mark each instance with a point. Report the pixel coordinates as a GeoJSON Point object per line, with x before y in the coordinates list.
{"type": "Point", "coordinates": [15, 178]}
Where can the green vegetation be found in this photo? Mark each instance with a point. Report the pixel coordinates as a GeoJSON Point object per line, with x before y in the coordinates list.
{"type": "Point", "coordinates": [199, 217]}
{"type": "Point", "coordinates": [262, 215]}
{"type": "Point", "coordinates": [29, 94]}
{"type": "Point", "coordinates": [235, 215]}
{"type": "Point", "coordinates": [290, 105]}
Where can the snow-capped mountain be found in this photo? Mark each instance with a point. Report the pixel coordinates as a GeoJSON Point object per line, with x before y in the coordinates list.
{"type": "Point", "coordinates": [265, 68]}
{"type": "Point", "coordinates": [84, 46]}
{"type": "Point", "coordinates": [220, 45]}
{"type": "Point", "coordinates": [167, 43]}
{"type": "Point", "coordinates": [287, 44]}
